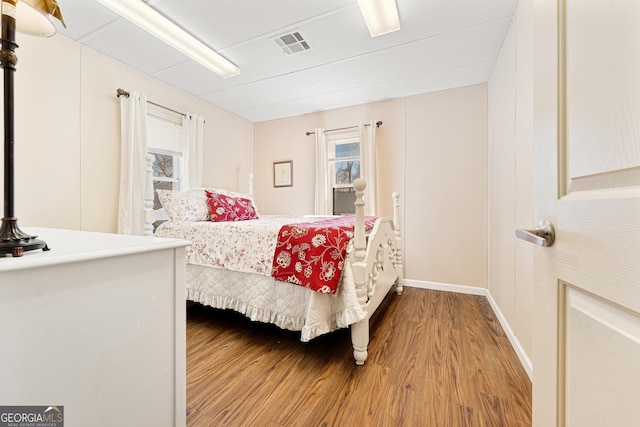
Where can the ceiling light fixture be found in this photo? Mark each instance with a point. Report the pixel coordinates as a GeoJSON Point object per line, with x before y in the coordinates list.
{"type": "Point", "coordinates": [381, 16]}
{"type": "Point", "coordinates": [153, 22]}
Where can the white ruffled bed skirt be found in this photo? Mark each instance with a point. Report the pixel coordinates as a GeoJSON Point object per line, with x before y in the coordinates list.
{"type": "Point", "coordinates": [264, 299]}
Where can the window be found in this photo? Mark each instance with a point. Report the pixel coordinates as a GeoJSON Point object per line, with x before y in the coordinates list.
{"type": "Point", "coordinates": [166, 173]}
{"type": "Point", "coordinates": [165, 143]}
{"type": "Point", "coordinates": [344, 157]}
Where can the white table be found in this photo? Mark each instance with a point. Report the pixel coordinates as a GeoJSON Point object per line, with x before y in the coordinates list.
{"type": "Point", "coordinates": [97, 325]}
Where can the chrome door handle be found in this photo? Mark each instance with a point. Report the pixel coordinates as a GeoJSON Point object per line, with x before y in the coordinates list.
{"type": "Point", "coordinates": [543, 235]}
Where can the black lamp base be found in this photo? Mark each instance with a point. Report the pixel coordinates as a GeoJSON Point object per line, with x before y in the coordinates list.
{"type": "Point", "coordinates": [15, 242]}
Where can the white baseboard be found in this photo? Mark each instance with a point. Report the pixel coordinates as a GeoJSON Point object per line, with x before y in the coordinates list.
{"type": "Point", "coordinates": [472, 290]}
{"type": "Point", "coordinates": [522, 355]}
{"type": "Point", "coordinates": [445, 287]}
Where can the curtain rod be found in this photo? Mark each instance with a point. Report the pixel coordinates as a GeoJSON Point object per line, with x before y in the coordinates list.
{"type": "Point", "coordinates": [122, 92]}
{"type": "Point", "coordinates": [378, 124]}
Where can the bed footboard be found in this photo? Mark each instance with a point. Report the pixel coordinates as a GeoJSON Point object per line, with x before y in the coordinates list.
{"type": "Point", "coordinates": [376, 266]}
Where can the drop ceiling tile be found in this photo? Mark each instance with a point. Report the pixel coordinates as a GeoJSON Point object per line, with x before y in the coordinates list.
{"type": "Point", "coordinates": [130, 44]}
{"type": "Point", "coordinates": [465, 76]}
{"type": "Point", "coordinates": [223, 23]}
{"type": "Point", "coordinates": [83, 17]}
{"type": "Point", "coordinates": [193, 78]}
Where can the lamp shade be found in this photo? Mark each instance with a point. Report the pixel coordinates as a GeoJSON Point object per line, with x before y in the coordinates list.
{"type": "Point", "coordinates": [32, 17]}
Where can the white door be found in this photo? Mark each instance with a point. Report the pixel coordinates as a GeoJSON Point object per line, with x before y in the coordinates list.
{"type": "Point", "coordinates": [586, 359]}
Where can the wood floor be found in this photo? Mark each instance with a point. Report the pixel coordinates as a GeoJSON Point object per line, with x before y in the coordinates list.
{"type": "Point", "coordinates": [435, 359]}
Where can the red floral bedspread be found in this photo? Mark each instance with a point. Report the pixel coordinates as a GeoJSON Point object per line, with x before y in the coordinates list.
{"type": "Point", "coordinates": [312, 254]}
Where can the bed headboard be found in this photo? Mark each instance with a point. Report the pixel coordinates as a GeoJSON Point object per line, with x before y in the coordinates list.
{"type": "Point", "coordinates": [152, 215]}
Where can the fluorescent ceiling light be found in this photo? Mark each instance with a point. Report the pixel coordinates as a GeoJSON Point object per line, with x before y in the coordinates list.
{"type": "Point", "coordinates": [148, 19]}
{"type": "Point", "coordinates": [381, 16]}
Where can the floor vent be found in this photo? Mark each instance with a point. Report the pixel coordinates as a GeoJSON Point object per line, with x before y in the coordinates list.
{"type": "Point", "coordinates": [292, 43]}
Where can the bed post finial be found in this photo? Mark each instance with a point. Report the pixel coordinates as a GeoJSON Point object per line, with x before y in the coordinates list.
{"type": "Point", "coordinates": [360, 242]}
{"type": "Point", "coordinates": [398, 234]}
{"type": "Point", "coordinates": [148, 196]}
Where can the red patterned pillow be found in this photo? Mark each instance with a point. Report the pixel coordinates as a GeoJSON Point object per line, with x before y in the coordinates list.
{"type": "Point", "coordinates": [229, 208]}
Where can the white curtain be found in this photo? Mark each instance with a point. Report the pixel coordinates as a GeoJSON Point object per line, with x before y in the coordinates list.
{"type": "Point", "coordinates": [193, 128]}
{"type": "Point", "coordinates": [368, 147]}
{"type": "Point", "coordinates": [133, 151]}
{"type": "Point", "coordinates": [322, 196]}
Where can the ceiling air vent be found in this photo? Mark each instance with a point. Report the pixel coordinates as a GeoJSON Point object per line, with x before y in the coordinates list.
{"type": "Point", "coordinates": [292, 43]}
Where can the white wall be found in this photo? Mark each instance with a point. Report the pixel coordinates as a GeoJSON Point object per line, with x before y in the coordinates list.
{"type": "Point", "coordinates": [432, 149]}
{"type": "Point", "coordinates": [511, 191]}
{"type": "Point", "coordinates": [68, 134]}
{"type": "Point", "coordinates": [446, 172]}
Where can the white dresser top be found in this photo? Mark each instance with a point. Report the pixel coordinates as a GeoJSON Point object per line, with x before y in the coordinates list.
{"type": "Point", "coordinates": [68, 246]}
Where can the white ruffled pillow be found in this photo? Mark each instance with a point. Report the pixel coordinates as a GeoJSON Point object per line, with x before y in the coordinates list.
{"type": "Point", "coordinates": [184, 207]}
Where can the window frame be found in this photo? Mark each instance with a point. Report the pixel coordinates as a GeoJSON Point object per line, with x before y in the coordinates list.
{"type": "Point", "coordinates": [176, 159]}
{"type": "Point", "coordinates": [332, 142]}
{"type": "Point", "coordinates": [169, 124]}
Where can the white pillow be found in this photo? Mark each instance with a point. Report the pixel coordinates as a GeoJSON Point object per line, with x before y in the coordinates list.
{"type": "Point", "coordinates": [184, 207]}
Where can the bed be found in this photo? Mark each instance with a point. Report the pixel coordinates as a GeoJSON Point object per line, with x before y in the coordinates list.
{"type": "Point", "coordinates": [232, 264]}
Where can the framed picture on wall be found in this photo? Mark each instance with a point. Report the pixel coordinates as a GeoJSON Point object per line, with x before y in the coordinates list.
{"type": "Point", "coordinates": [283, 174]}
